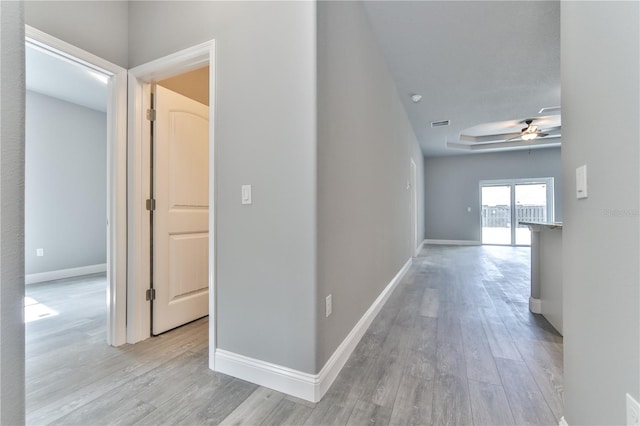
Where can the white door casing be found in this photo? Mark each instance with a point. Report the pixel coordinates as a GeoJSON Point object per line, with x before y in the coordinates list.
{"type": "Point", "coordinates": [414, 208]}
{"type": "Point", "coordinates": [181, 216]}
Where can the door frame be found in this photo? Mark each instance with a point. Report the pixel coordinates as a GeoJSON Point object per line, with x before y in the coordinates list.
{"type": "Point", "coordinates": [549, 181]}
{"type": "Point", "coordinates": [116, 171]}
{"type": "Point", "coordinates": [414, 207]}
{"type": "Point", "coordinates": [140, 79]}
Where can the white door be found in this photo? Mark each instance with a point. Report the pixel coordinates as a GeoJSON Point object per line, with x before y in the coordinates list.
{"type": "Point", "coordinates": [181, 217]}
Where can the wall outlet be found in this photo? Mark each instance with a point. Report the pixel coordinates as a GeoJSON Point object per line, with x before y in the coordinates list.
{"type": "Point", "coordinates": [633, 411]}
{"type": "Point", "coordinates": [40, 252]}
{"type": "Point", "coordinates": [328, 308]}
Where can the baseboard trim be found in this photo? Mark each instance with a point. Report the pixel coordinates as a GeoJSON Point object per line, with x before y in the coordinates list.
{"type": "Point", "coordinates": [310, 387]}
{"type": "Point", "coordinates": [273, 376]}
{"type": "Point", "coordinates": [563, 422]}
{"type": "Point", "coordinates": [64, 273]}
{"type": "Point", "coordinates": [420, 247]}
{"type": "Point", "coordinates": [453, 242]}
{"type": "Point", "coordinates": [535, 305]}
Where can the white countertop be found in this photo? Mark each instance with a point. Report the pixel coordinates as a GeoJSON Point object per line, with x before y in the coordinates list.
{"type": "Point", "coordinates": [537, 225]}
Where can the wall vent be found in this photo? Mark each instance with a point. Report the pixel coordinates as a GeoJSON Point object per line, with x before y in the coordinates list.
{"type": "Point", "coordinates": [440, 123]}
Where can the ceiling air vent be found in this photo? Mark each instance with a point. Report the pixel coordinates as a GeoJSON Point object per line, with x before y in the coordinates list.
{"type": "Point", "coordinates": [440, 123]}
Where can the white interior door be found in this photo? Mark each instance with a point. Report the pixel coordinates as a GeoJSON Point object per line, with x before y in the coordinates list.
{"type": "Point", "coordinates": [181, 216]}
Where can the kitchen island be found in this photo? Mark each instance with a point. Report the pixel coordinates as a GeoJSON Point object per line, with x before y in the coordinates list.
{"type": "Point", "coordinates": [546, 271]}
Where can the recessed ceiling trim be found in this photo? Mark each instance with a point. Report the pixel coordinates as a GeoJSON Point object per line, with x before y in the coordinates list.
{"type": "Point", "coordinates": [546, 110]}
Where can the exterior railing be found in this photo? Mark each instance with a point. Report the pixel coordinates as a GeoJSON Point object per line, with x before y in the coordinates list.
{"type": "Point", "coordinates": [500, 216]}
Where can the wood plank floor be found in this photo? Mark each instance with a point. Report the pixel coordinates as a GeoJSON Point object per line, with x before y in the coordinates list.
{"type": "Point", "coordinates": [455, 344]}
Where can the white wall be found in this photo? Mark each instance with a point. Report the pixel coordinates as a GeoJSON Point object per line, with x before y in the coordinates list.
{"type": "Point", "coordinates": [65, 185]}
{"type": "Point", "coordinates": [452, 185]}
{"type": "Point", "coordinates": [265, 136]}
{"type": "Point", "coordinates": [99, 27]}
{"type": "Point", "coordinates": [601, 249]}
{"type": "Point", "coordinates": [11, 213]}
{"type": "Point", "coordinates": [365, 144]}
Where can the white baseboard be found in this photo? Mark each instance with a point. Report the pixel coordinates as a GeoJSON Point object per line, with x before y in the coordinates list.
{"type": "Point", "coordinates": [269, 375]}
{"type": "Point", "coordinates": [310, 387]}
{"type": "Point", "coordinates": [535, 305]}
{"type": "Point", "coordinates": [563, 422]}
{"type": "Point", "coordinates": [420, 247]}
{"type": "Point", "coordinates": [453, 242]}
{"type": "Point", "coordinates": [64, 273]}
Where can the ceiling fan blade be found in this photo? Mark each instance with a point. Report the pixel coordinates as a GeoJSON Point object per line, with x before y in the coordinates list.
{"type": "Point", "coordinates": [542, 135]}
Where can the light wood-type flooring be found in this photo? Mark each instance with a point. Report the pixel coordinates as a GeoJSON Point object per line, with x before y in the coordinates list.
{"type": "Point", "coordinates": [454, 344]}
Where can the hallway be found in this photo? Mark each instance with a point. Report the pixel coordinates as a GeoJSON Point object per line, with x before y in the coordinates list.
{"type": "Point", "coordinates": [455, 344]}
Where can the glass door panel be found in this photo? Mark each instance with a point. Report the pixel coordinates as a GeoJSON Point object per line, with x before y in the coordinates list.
{"type": "Point", "coordinates": [530, 206]}
{"type": "Point", "coordinates": [496, 214]}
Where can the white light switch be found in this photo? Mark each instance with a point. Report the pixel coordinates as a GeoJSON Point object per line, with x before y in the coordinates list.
{"type": "Point", "coordinates": [581, 182]}
{"type": "Point", "coordinates": [246, 194]}
{"type": "Point", "coordinates": [40, 252]}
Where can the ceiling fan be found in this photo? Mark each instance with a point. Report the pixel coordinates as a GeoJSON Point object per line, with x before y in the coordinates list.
{"type": "Point", "coordinates": [530, 132]}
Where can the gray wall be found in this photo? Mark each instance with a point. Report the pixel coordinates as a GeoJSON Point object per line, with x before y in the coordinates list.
{"type": "Point", "coordinates": [600, 112]}
{"type": "Point", "coordinates": [365, 143]}
{"type": "Point", "coordinates": [65, 185]}
{"type": "Point", "coordinates": [265, 136]}
{"type": "Point", "coordinates": [452, 185]}
{"type": "Point", "coordinates": [99, 27]}
{"type": "Point", "coordinates": [11, 213]}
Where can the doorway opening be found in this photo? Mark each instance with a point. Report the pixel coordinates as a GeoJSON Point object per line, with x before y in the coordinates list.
{"type": "Point", "coordinates": [180, 190]}
{"type": "Point", "coordinates": [75, 212]}
{"type": "Point", "coordinates": [194, 200]}
{"type": "Point", "coordinates": [415, 244]}
{"type": "Point", "coordinates": [504, 204]}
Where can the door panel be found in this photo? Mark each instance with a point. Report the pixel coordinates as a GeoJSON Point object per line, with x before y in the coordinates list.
{"type": "Point", "coordinates": [506, 203]}
{"type": "Point", "coordinates": [531, 206]}
{"type": "Point", "coordinates": [496, 214]}
{"type": "Point", "coordinates": [181, 218]}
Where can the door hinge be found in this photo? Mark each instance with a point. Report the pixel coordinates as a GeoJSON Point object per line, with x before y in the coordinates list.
{"type": "Point", "coordinates": [151, 204]}
{"type": "Point", "coordinates": [151, 294]}
{"type": "Point", "coordinates": [151, 114]}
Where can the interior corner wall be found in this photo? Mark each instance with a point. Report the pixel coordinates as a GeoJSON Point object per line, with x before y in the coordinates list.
{"type": "Point", "coordinates": [365, 143]}
{"type": "Point", "coordinates": [452, 186]}
{"type": "Point", "coordinates": [65, 185]}
{"type": "Point", "coordinates": [265, 136]}
{"type": "Point", "coordinates": [601, 273]}
{"type": "Point", "coordinates": [99, 27]}
{"type": "Point", "coordinates": [12, 87]}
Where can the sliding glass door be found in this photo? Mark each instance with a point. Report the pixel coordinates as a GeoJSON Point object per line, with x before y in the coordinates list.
{"type": "Point", "coordinates": [506, 203]}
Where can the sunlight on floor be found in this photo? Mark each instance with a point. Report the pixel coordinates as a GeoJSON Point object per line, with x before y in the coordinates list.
{"type": "Point", "coordinates": [34, 310]}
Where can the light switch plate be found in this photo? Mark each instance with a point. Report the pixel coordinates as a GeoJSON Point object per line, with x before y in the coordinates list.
{"type": "Point", "coordinates": [328, 306]}
{"type": "Point", "coordinates": [246, 194]}
{"type": "Point", "coordinates": [581, 182]}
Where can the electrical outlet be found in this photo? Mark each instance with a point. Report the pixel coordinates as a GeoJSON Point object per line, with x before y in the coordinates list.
{"type": "Point", "coordinates": [328, 308]}
{"type": "Point", "coordinates": [40, 252]}
{"type": "Point", "coordinates": [633, 411]}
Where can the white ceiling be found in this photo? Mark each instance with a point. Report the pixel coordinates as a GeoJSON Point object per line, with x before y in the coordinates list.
{"type": "Point", "coordinates": [60, 78]}
{"type": "Point", "coordinates": [474, 62]}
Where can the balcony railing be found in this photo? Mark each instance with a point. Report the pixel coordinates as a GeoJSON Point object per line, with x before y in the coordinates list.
{"type": "Point", "coordinates": [500, 216]}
